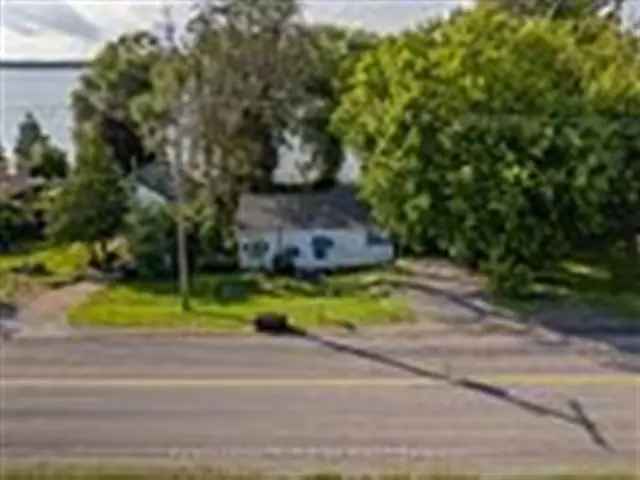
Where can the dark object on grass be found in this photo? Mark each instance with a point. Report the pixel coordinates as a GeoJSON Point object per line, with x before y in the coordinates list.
{"type": "Point", "coordinates": [273, 324]}
{"type": "Point", "coordinates": [36, 269]}
{"type": "Point", "coordinates": [7, 310]}
{"type": "Point", "coordinates": [311, 276]}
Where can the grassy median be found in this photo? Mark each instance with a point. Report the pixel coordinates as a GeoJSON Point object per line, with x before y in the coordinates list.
{"type": "Point", "coordinates": [230, 302]}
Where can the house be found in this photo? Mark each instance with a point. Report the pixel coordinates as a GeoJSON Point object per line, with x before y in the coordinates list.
{"type": "Point", "coordinates": [18, 185]}
{"type": "Point", "coordinates": [308, 231]}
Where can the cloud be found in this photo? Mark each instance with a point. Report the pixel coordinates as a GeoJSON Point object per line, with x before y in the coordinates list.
{"type": "Point", "coordinates": [58, 17]}
{"type": "Point", "coordinates": [62, 29]}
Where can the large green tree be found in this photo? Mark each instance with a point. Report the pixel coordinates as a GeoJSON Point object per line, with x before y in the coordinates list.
{"type": "Point", "coordinates": [117, 76]}
{"type": "Point", "coordinates": [35, 152]}
{"type": "Point", "coordinates": [562, 9]}
{"type": "Point", "coordinates": [336, 51]}
{"type": "Point", "coordinates": [506, 149]}
{"type": "Point", "coordinates": [92, 205]}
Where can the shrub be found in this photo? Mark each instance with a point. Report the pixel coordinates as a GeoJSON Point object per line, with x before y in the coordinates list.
{"type": "Point", "coordinates": [150, 232]}
{"type": "Point", "coordinates": [501, 141]}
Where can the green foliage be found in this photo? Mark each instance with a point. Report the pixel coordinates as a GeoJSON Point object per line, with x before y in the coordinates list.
{"type": "Point", "coordinates": [335, 53]}
{"type": "Point", "coordinates": [231, 302]}
{"type": "Point", "coordinates": [118, 76]}
{"type": "Point", "coordinates": [48, 161]}
{"type": "Point", "coordinates": [561, 8]}
{"type": "Point", "coordinates": [29, 134]}
{"type": "Point", "coordinates": [150, 233]}
{"type": "Point", "coordinates": [17, 224]}
{"type": "Point", "coordinates": [504, 150]}
{"type": "Point", "coordinates": [4, 159]}
{"type": "Point", "coordinates": [35, 152]}
{"type": "Point", "coordinates": [93, 202]}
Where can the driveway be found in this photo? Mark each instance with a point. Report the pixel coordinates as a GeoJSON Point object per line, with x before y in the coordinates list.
{"type": "Point", "coordinates": [412, 398]}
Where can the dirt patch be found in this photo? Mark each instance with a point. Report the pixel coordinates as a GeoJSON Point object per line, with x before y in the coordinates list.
{"type": "Point", "coordinates": [47, 315]}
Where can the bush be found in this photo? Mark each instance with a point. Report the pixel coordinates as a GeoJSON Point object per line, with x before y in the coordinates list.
{"type": "Point", "coordinates": [150, 232]}
{"type": "Point", "coordinates": [501, 141]}
{"type": "Point", "coordinates": [17, 224]}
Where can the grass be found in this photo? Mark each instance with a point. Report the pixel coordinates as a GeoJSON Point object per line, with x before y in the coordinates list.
{"type": "Point", "coordinates": [230, 302]}
{"type": "Point", "coordinates": [212, 474]}
{"type": "Point", "coordinates": [62, 264]}
{"type": "Point", "coordinates": [601, 281]}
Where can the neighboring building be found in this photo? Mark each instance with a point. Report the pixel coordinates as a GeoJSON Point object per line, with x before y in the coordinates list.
{"type": "Point", "coordinates": [315, 231]}
{"type": "Point", "coordinates": [154, 184]}
{"type": "Point", "coordinates": [18, 185]}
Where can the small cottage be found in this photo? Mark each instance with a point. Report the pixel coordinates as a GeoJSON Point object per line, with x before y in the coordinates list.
{"type": "Point", "coordinates": [308, 231]}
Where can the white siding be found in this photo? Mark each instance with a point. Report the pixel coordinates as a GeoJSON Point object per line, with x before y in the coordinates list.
{"type": "Point", "coordinates": [350, 249]}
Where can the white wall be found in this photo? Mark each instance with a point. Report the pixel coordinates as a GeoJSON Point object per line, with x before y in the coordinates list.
{"type": "Point", "coordinates": [350, 249]}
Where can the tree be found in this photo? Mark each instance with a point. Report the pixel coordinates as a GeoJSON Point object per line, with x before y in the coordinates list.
{"type": "Point", "coordinates": [336, 52]}
{"type": "Point", "coordinates": [563, 9]}
{"type": "Point", "coordinates": [93, 203]}
{"type": "Point", "coordinates": [48, 161]}
{"type": "Point", "coordinates": [248, 59]}
{"type": "Point", "coordinates": [35, 152]}
{"type": "Point", "coordinates": [4, 160]}
{"type": "Point", "coordinates": [118, 75]}
{"type": "Point", "coordinates": [507, 150]}
{"type": "Point", "coordinates": [29, 135]}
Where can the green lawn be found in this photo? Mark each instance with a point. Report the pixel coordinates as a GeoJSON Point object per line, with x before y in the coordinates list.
{"type": "Point", "coordinates": [603, 281]}
{"type": "Point", "coordinates": [230, 302]}
{"type": "Point", "coordinates": [62, 264]}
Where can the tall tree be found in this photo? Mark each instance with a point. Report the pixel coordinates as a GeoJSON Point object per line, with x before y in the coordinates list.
{"type": "Point", "coordinates": [336, 52]}
{"type": "Point", "coordinates": [93, 203]}
{"type": "Point", "coordinates": [248, 59]}
{"type": "Point", "coordinates": [29, 135]}
{"type": "Point", "coordinates": [120, 73]}
{"type": "Point", "coordinates": [506, 150]}
{"type": "Point", "coordinates": [4, 159]}
{"type": "Point", "coordinates": [35, 152]}
{"type": "Point", "coordinates": [563, 8]}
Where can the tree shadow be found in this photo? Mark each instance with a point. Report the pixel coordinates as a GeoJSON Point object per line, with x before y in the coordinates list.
{"type": "Point", "coordinates": [550, 310]}
{"type": "Point", "coordinates": [576, 416]}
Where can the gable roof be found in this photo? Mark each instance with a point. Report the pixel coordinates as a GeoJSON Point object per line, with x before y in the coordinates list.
{"type": "Point", "coordinates": [158, 177]}
{"type": "Point", "coordinates": [335, 208]}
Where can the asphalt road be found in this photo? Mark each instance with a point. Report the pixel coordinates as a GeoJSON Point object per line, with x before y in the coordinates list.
{"type": "Point", "coordinates": [403, 400]}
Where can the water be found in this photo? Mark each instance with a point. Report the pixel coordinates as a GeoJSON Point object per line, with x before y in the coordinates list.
{"type": "Point", "coordinates": [45, 93]}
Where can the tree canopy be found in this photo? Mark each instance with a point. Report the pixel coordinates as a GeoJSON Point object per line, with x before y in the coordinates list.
{"type": "Point", "coordinates": [91, 206]}
{"type": "Point", "coordinates": [506, 149]}
{"type": "Point", "coordinates": [35, 152]}
{"type": "Point", "coordinates": [118, 75]}
{"type": "Point", "coordinates": [562, 9]}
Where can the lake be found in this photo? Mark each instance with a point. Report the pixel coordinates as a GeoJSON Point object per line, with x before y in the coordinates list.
{"type": "Point", "coordinates": [47, 94]}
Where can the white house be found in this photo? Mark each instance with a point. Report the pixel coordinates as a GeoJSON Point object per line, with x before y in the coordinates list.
{"type": "Point", "coordinates": [310, 231]}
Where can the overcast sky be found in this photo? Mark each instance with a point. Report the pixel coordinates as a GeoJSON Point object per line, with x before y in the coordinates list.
{"type": "Point", "coordinates": [64, 29]}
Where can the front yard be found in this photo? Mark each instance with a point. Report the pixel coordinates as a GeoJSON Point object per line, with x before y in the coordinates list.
{"type": "Point", "coordinates": [39, 267]}
{"type": "Point", "coordinates": [230, 302]}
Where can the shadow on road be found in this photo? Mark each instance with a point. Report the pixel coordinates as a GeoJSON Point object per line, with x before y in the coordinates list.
{"type": "Point", "coordinates": [578, 417]}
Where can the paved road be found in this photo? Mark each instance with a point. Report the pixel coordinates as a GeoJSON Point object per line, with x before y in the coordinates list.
{"type": "Point", "coordinates": [408, 399]}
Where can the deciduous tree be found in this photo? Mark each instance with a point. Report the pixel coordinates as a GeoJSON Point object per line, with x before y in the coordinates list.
{"type": "Point", "coordinates": [92, 205]}
{"type": "Point", "coordinates": [507, 149]}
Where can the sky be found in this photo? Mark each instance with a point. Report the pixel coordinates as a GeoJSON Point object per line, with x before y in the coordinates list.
{"type": "Point", "coordinates": [73, 29]}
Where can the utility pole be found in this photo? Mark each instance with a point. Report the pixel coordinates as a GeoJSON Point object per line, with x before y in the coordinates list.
{"type": "Point", "coordinates": [178, 171]}
{"type": "Point", "coordinates": [176, 147]}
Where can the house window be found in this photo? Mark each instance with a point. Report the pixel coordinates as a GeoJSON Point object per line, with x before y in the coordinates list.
{"type": "Point", "coordinates": [321, 245]}
{"type": "Point", "coordinates": [375, 239]}
{"type": "Point", "coordinates": [257, 249]}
